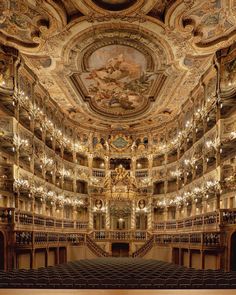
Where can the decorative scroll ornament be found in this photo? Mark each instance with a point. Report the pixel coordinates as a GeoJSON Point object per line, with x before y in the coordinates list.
{"type": "Point", "coordinates": [120, 185]}
{"type": "Point", "coordinates": [120, 209]}
{"type": "Point", "coordinates": [120, 142]}
{"type": "Point", "coordinates": [229, 182]}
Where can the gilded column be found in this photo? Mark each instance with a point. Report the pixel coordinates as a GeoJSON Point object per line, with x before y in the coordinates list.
{"type": "Point", "coordinates": [184, 211]}
{"type": "Point", "coordinates": [133, 164]}
{"type": "Point", "coordinates": [133, 217]}
{"type": "Point", "coordinates": [165, 214]}
{"type": "Point", "coordinates": [177, 213]}
{"type": "Point", "coordinates": [106, 164]}
{"type": "Point", "coordinates": [149, 214]}
{"type": "Point", "coordinates": [150, 163]}
{"type": "Point", "coordinates": [108, 221]}
{"type": "Point", "coordinates": [193, 212]}
{"type": "Point", "coordinates": [90, 225]}
{"type": "Point", "coordinates": [90, 164]}
{"type": "Point", "coordinates": [204, 205]}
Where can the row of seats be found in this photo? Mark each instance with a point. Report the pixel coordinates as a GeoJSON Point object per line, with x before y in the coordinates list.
{"type": "Point", "coordinates": [118, 273]}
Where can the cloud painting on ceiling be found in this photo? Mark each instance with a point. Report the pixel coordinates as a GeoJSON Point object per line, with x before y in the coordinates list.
{"type": "Point", "coordinates": [117, 80]}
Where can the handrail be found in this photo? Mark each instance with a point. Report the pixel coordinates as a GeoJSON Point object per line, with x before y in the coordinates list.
{"type": "Point", "coordinates": [202, 238]}
{"type": "Point", "coordinates": [26, 238]}
{"type": "Point", "coordinates": [28, 218]}
{"type": "Point", "coordinates": [95, 248]}
{"type": "Point", "coordinates": [206, 219]}
{"type": "Point", "coordinates": [144, 248]}
{"type": "Point", "coordinates": [121, 235]}
{"type": "Point", "coordinates": [208, 222]}
{"type": "Point", "coordinates": [206, 239]}
{"type": "Point", "coordinates": [6, 215]}
{"type": "Point", "coordinates": [221, 217]}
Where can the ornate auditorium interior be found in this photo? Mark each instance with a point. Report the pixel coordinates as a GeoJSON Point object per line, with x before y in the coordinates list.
{"type": "Point", "coordinates": [118, 144]}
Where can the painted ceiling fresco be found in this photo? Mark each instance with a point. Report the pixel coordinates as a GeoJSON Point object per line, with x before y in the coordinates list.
{"type": "Point", "coordinates": [118, 65]}
{"type": "Point", "coordinates": [118, 80]}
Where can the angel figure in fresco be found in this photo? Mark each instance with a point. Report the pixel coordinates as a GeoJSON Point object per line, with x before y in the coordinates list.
{"type": "Point", "coordinates": [119, 83]}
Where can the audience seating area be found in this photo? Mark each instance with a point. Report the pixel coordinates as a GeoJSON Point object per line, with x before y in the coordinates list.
{"type": "Point", "coordinates": [118, 273]}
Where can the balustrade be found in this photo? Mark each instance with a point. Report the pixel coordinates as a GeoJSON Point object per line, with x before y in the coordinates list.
{"type": "Point", "coordinates": [98, 173]}
{"type": "Point", "coordinates": [39, 221]}
{"type": "Point", "coordinates": [6, 215]}
{"type": "Point", "coordinates": [228, 216]}
{"type": "Point", "coordinates": [141, 173]}
{"type": "Point", "coordinates": [204, 220]}
{"type": "Point", "coordinates": [81, 225]}
{"type": "Point", "coordinates": [24, 238]}
{"type": "Point", "coordinates": [120, 235]}
{"type": "Point", "coordinates": [95, 248]}
{"type": "Point", "coordinates": [27, 218]}
{"type": "Point", "coordinates": [211, 239]}
{"type": "Point", "coordinates": [205, 239]}
{"type": "Point", "coordinates": [144, 248]}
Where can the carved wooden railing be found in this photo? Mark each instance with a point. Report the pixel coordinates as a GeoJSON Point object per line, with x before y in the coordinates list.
{"type": "Point", "coordinates": [119, 235]}
{"type": "Point", "coordinates": [95, 248]}
{"type": "Point", "coordinates": [144, 249]}
{"type": "Point", "coordinates": [228, 216]}
{"type": "Point", "coordinates": [210, 239]}
{"type": "Point", "coordinates": [208, 222]}
{"type": "Point", "coordinates": [36, 220]}
{"type": "Point", "coordinates": [98, 173]}
{"type": "Point", "coordinates": [6, 215]}
{"type": "Point", "coordinates": [205, 239]}
{"type": "Point", "coordinates": [203, 222]}
{"type": "Point", "coordinates": [29, 238]}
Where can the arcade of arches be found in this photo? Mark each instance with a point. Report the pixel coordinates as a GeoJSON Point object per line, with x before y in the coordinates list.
{"type": "Point", "coordinates": [118, 131]}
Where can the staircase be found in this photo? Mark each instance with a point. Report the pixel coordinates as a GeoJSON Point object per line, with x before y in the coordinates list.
{"type": "Point", "coordinates": [95, 248]}
{"type": "Point", "coordinates": [145, 248]}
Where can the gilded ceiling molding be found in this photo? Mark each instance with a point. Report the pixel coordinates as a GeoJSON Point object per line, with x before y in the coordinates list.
{"type": "Point", "coordinates": [212, 23]}
{"type": "Point", "coordinates": [105, 37]}
{"type": "Point", "coordinates": [227, 59]}
{"type": "Point", "coordinates": [123, 70]}
{"type": "Point", "coordinates": [28, 26]}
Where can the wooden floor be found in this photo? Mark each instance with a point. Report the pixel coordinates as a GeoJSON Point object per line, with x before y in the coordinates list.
{"type": "Point", "coordinates": [115, 292]}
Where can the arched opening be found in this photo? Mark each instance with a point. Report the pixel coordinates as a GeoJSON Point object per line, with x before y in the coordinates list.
{"type": "Point", "coordinates": [2, 256]}
{"type": "Point", "coordinates": [233, 252]}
